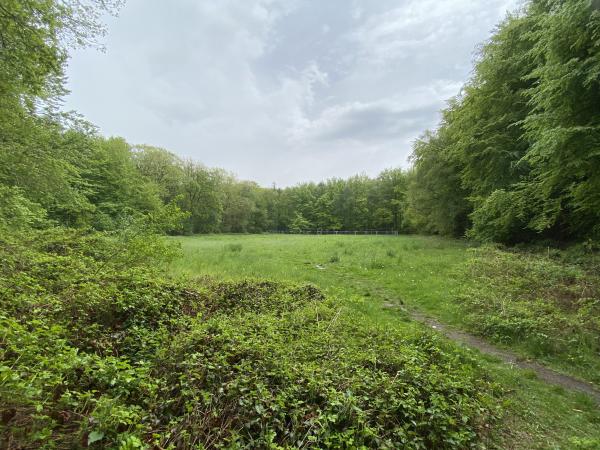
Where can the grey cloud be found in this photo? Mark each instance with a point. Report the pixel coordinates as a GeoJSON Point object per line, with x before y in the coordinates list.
{"type": "Point", "coordinates": [378, 121]}
{"type": "Point", "coordinates": [281, 90]}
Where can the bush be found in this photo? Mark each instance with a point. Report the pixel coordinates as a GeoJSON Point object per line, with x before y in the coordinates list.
{"type": "Point", "coordinates": [104, 354]}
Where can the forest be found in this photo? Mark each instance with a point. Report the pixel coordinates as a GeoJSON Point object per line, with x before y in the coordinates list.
{"type": "Point", "coordinates": [101, 347]}
{"type": "Point", "coordinates": [513, 160]}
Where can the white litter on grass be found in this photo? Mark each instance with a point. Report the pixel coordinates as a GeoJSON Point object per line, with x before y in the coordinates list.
{"type": "Point", "coordinates": [320, 267]}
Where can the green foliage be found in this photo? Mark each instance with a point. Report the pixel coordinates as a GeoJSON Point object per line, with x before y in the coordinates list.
{"type": "Point", "coordinates": [287, 381]}
{"type": "Point", "coordinates": [201, 195]}
{"type": "Point", "coordinates": [59, 164]}
{"type": "Point", "coordinates": [116, 187]}
{"type": "Point", "coordinates": [300, 224]}
{"type": "Point", "coordinates": [117, 356]}
{"type": "Point", "coordinates": [436, 200]}
{"type": "Point", "coordinates": [426, 275]}
{"type": "Point", "coordinates": [98, 348]}
{"type": "Point", "coordinates": [564, 128]}
{"type": "Point", "coordinates": [161, 167]}
{"type": "Point", "coordinates": [545, 306]}
{"type": "Point", "coordinates": [518, 149]}
{"type": "Point", "coordinates": [17, 212]}
{"type": "Point", "coordinates": [502, 217]}
{"type": "Point", "coordinates": [36, 35]}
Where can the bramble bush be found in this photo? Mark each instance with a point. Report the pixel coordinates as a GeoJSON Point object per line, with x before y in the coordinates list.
{"type": "Point", "coordinates": [100, 352]}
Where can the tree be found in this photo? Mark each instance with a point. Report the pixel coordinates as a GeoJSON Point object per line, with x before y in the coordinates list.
{"type": "Point", "coordinates": [116, 187]}
{"type": "Point", "coordinates": [35, 36]}
{"type": "Point", "coordinates": [518, 150]}
{"type": "Point", "coordinates": [201, 195]}
{"type": "Point", "coordinates": [436, 200]}
{"type": "Point", "coordinates": [388, 198]}
{"type": "Point", "coordinates": [41, 152]}
{"type": "Point", "coordinates": [161, 167]}
{"type": "Point", "coordinates": [300, 224]}
{"type": "Point", "coordinates": [564, 127]}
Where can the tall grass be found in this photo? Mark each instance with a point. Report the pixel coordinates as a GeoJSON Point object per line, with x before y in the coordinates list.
{"type": "Point", "coordinates": [414, 272]}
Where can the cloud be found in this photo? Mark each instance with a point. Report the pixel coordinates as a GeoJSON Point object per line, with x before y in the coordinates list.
{"type": "Point", "coordinates": [383, 120]}
{"type": "Point", "coordinates": [423, 26]}
{"type": "Point", "coordinates": [281, 90]}
{"type": "Point", "coordinates": [365, 122]}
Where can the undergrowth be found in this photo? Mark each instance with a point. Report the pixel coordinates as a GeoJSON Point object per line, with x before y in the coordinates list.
{"type": "Point", "coordinates": [101, 352]}
{"type": "Point", "coordinates": [544, 304]}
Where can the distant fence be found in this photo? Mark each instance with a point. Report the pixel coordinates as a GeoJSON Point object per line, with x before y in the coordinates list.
{"type": "Point", "coordinates": [376, 232]}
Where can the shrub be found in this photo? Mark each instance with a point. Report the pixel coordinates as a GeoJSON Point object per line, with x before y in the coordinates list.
{"type": "Point", "coordinates": [546, 306]}
{"type": "Point", "coordinates": [101, 354]}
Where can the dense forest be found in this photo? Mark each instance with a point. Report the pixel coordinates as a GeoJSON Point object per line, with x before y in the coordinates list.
{"type": "Point", "coordinates": [97, 346]}
{"type": "Point", "coordinates": [517, 154]}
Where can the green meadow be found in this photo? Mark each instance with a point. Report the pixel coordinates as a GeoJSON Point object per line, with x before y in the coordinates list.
{"type": "Point", "coordinates": [380, 280]}
{"type": "Point", "coordinates": [152, 301]}
{"type": "Point", "coordinates": [400, 270]}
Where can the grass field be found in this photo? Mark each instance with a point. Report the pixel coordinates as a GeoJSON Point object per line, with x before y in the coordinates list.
{"type": "Point", "coordinates": [380, 278]}
{"type": "Point", "coordinates": [411, 270]}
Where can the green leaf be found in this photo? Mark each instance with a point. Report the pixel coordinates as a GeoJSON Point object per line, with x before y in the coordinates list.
{"type": "Point", "coordinates": [95, 436]}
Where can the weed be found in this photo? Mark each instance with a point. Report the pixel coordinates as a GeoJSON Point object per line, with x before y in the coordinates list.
{"type": "Point", "coordinates": [375, 264]}
{"type": "Point", "coordinates": [234, 248]}
{"type": "Point", "coordinates": [427, 279]}
{"type": "Point", "coordinates": [547, 308]}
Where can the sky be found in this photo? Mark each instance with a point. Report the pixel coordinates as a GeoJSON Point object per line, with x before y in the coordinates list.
{"type": "Point", "coordinates": [281, 91]}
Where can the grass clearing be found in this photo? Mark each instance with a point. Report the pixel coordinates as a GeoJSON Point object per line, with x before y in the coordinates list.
{"type": "Point", "coordinates": [423, 273]}
{"type": "Point", "coordinates": [97, 354]}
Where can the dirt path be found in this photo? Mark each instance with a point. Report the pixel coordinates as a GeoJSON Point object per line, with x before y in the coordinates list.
{"type": "Point", "coordinates": [542, 372]}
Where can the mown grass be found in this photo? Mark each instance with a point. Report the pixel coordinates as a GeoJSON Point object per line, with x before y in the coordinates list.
{"type": "Point", "coordinates": [425, 273]}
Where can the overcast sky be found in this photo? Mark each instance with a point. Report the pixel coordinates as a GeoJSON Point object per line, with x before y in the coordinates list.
{"type": "Point", "coordinates": [281, 90]}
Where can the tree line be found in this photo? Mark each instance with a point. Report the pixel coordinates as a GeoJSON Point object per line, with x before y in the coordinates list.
{"type": "Point", "coordinates": [218, 202]}
{"type": "Point", "coordinates": [56, 169]}
{"type": "Point", "coordinates": [515, 158]}
{"type": "Point", "coordinates": [71, 176]}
